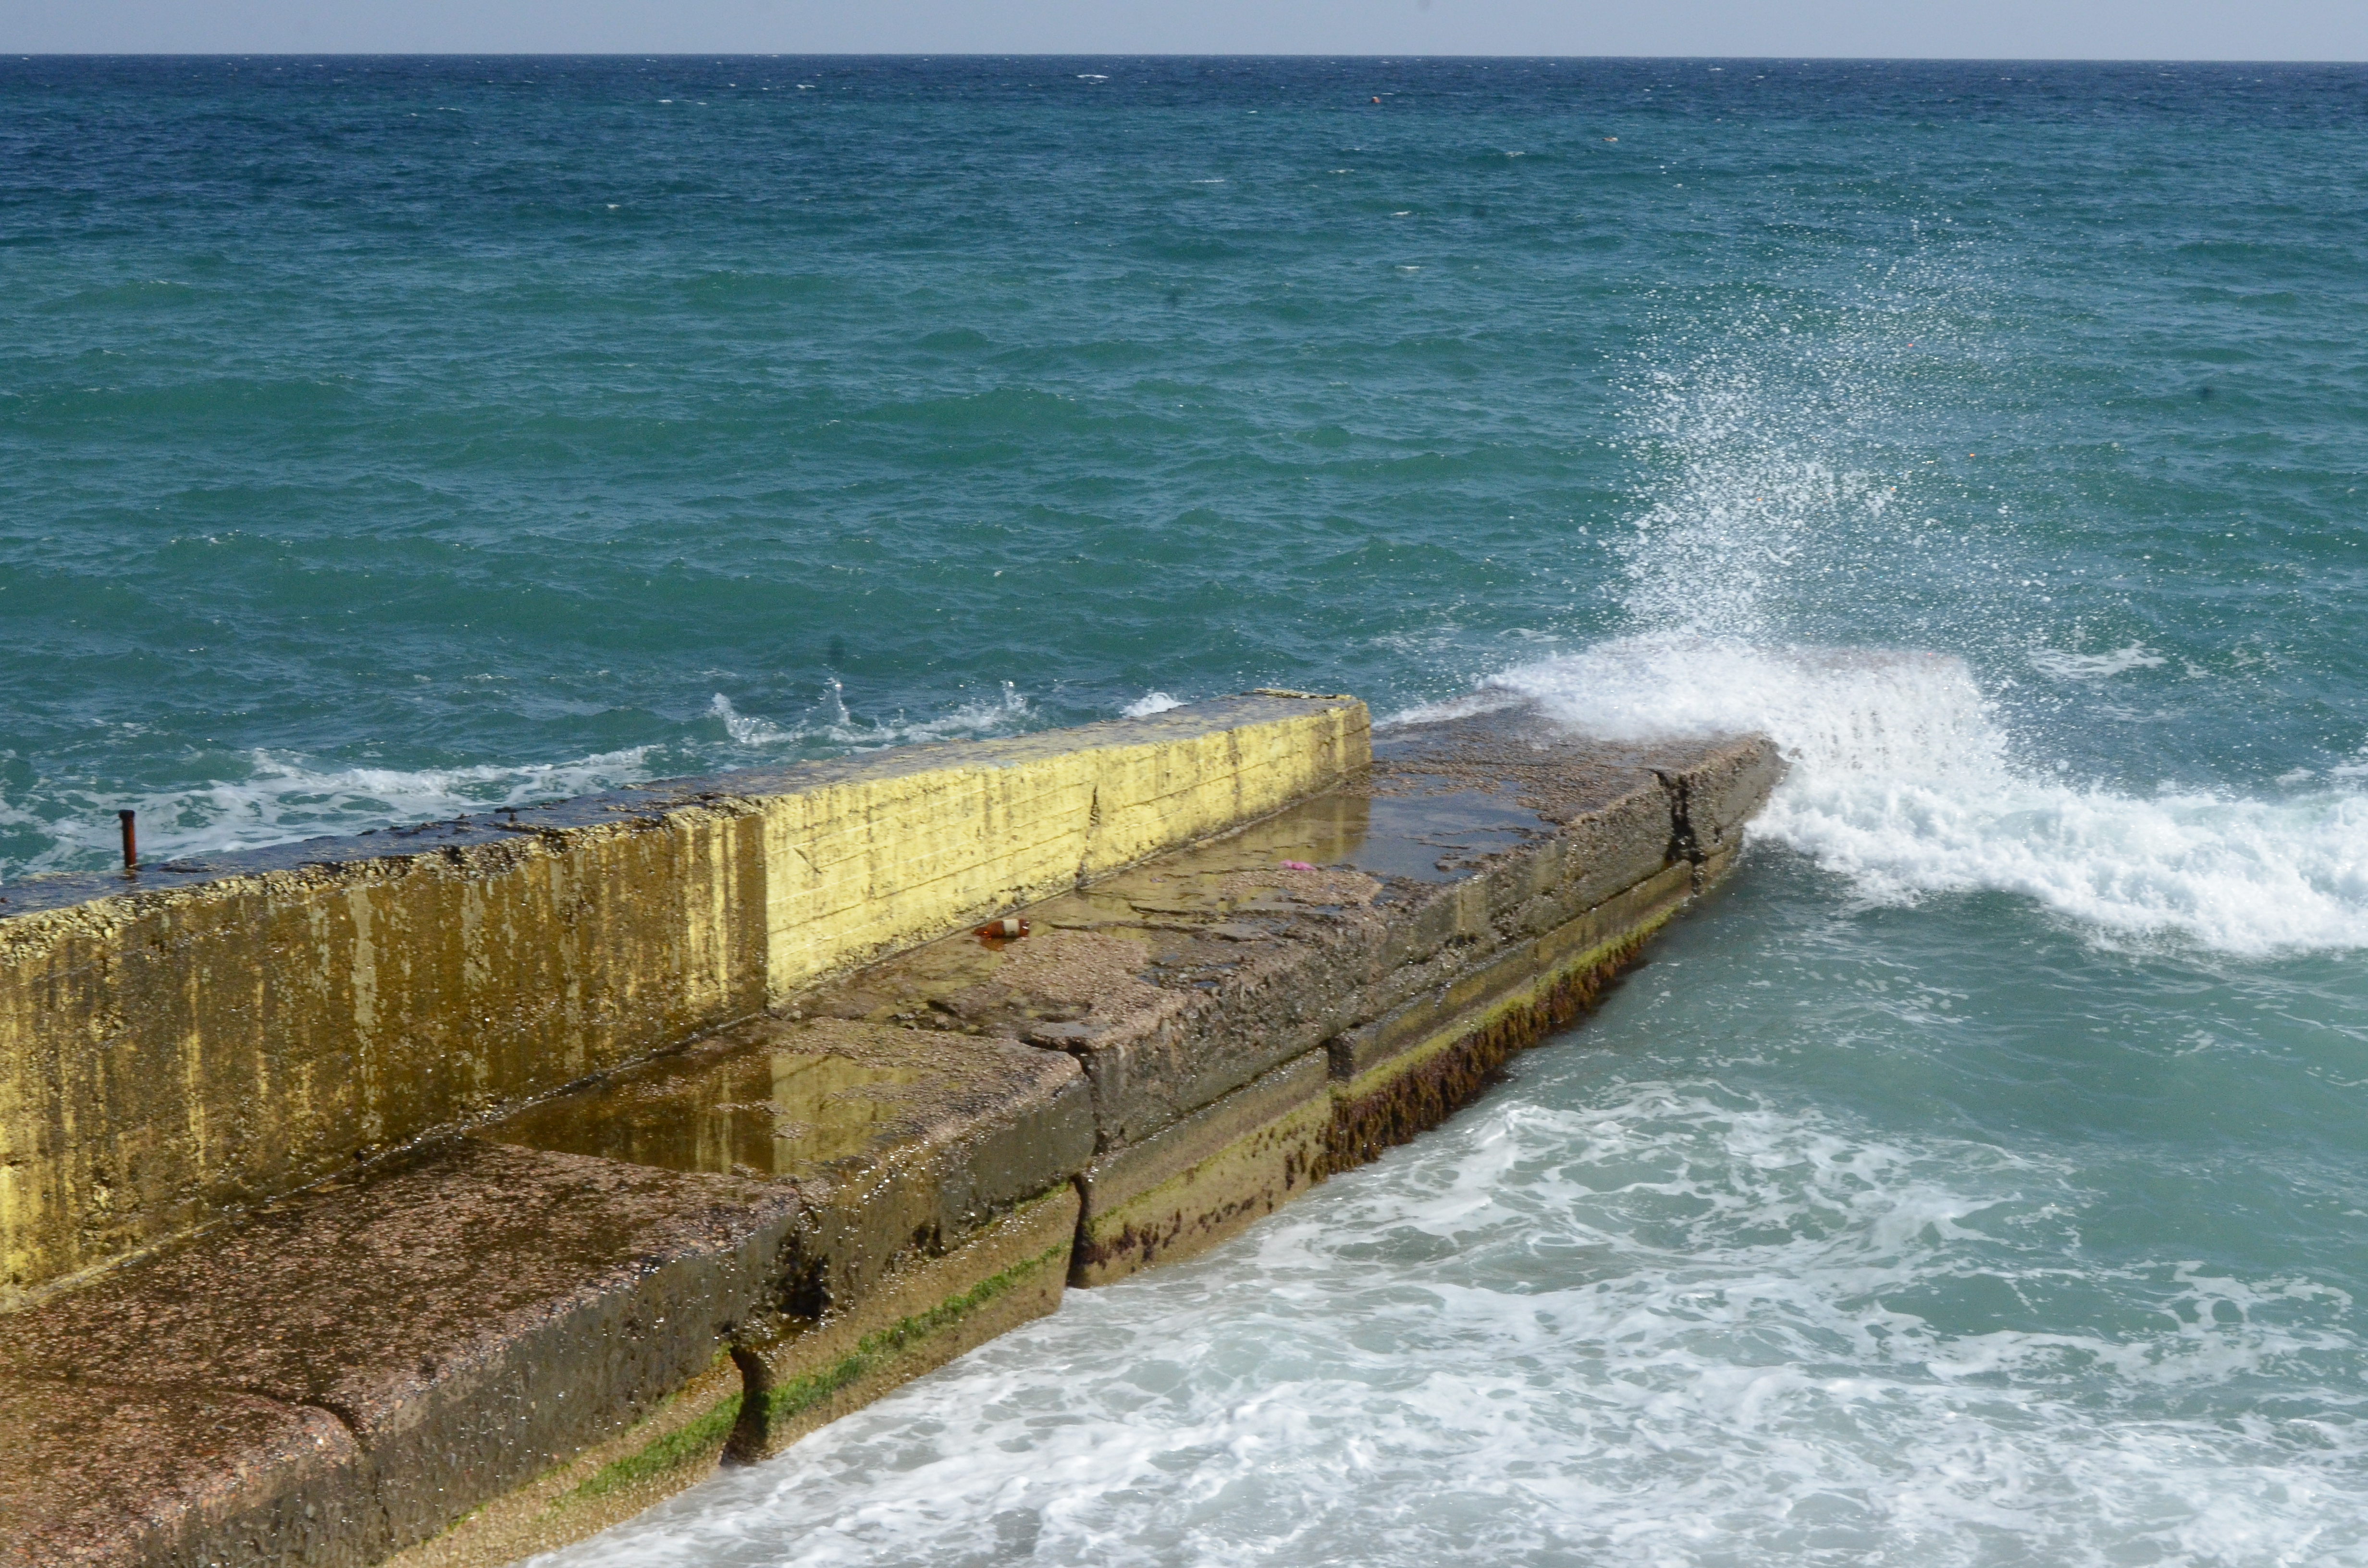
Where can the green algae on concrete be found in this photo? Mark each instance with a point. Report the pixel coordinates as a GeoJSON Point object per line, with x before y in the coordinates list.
{"type": "Point", "coordinates": [202, 1035]}
{"type": "Point", "coordinates": [678, 1444]}
{"type": "Point", "coordinates": [804, 1373]}
{"type": "Point", "coordinates": [472, 1318]}
{"type": "Point", "coordinates": [700, 1444]}
{"type": "Point", "coordinates": [516, 1337]}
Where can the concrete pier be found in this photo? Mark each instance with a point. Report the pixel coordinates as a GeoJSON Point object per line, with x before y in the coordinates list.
{"type": "Point", "coordinates": [736, 1147]}
{"type": "Point", "coordinates": [206, 1035]}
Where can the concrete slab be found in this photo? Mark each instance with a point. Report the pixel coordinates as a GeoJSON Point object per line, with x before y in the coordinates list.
{"type": "Point", "coordinates": [102, 1472]}
{"type": "Point", "coordinates": [804, 1373]}
{"type": "Point", "coordinates": [1412, 928]}
{"type": "Point", "coordinates": [900, 1141]}
{"type": "Point", "coordinates": [188, 1040]}
{"type": "Point", "coordinates": [677, 1445]}
{"type": "Point", "coordinates": [472, 1318]}
{"type": "Point", "coordinates": [1208, 1176]}
{"type": "Point", "coordinates": [935, 1170]}
{"type": "Point", "coordinates": [1179, 981]}
{"type": "Point", "coordinates": [506, 1342]}
{"type": "Point", "coordinates": [1408, 1070]}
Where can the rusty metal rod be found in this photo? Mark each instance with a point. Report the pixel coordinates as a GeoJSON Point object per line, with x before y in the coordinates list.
{"type": "Point", "coordinates": [131, 842]}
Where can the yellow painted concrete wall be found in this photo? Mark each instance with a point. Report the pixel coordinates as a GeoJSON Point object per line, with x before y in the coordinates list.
{"type": "Point", "coordinates": [168, 1054]}
{"type": "Point", "coordinates": [864, 868]}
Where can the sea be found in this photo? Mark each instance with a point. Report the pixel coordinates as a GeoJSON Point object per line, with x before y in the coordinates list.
{"type": "Point", "coordinates": [1980, 1178]}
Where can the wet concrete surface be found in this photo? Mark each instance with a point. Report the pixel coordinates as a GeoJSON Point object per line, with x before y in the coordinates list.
{"type": "Point", "coordinates": [1180, 981]}
{"type": "Point", "coordinates": [897, 1140]}
{"type": "Point", "coordinates": [471, 1318]}
{"type": "Point", "coordinates": [98, 1471]}
{"type": "Point", "coordinates": [882, 1172]}
{"type": "Point", "coordinates": [184, 1041]}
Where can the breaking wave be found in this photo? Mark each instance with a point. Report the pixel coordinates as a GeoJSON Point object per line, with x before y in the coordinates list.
{"type": "Point", "coordinates": [1905, 781]}
{"type": "Point", "coordinates": [284, 796]}
{"type": "Point", "coordinates": [1654, 1324]}
{"type": "Point", "coordinates": [1765, 541]}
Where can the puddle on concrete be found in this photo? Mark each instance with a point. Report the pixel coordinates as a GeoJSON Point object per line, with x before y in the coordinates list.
{"type": "Point", "coordinates": [1388, 835]}
{"type": "Point", "coordinates": [774, 1112]}
{"type": "Point", "coordinates": [1435, 838]}
{"type": "Point", "coordinates": [779, 1112]}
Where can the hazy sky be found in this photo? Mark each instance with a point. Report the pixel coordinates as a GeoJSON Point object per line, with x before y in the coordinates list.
{"type": "Point", "coordinates": [2022, 30]}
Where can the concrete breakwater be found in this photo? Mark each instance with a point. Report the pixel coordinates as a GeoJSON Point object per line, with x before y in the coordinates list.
{"type": "Point", "coordinates": [217, 1032]}
{"type": "Point", "coordinates": [313, 1262]}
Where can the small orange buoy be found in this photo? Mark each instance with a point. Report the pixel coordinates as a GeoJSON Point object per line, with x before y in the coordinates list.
{"type": "Point", "coordinates": [1377, 100]}
{"type": "Point", "coordinates": [1010, 926]}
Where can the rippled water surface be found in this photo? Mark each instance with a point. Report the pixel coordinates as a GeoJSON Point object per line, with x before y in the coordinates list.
{"type": "Point", "coordinates": [1980, 1179]}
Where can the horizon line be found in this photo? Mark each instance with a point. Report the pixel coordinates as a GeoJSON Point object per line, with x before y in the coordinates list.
{"type": "Point", "coordinates": [1393, 58]}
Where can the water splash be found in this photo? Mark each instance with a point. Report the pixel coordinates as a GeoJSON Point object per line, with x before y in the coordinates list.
{"type": "Point", "coordinates": [1725, 538]}
{"type": "Point", "coordinates": [744, 730]}
{"type": "Point", "coordinates": [1905, 781]}
{"type": "Point", "coordinates": [2067, 665]}
{"type": "Point", "coordinates": [1659, 1324]}
{"type": "Point", "coordinates": [284, 797]}
{"type": "Point", "coordinates": [1759, 545]}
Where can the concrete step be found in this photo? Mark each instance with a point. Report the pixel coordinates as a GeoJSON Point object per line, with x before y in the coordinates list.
{"type": "Point", "coordinates": [509, 1339]}
{"type": "Point", "coordinates": [466, 1319]}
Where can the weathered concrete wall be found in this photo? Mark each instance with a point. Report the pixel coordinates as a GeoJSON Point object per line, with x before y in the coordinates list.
{"type": "Point", "coordinates": [899, 850]}
{"type": "Point", "coordinates": [1292, 998]}
{"type": "Point", "coordinates": [497, 1343]}
{"type": "Point", "coordinates": [199, 1038]}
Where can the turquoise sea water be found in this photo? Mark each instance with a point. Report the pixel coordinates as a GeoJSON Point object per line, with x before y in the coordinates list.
{"type": "Point", "coordinates": [1981, 1180]}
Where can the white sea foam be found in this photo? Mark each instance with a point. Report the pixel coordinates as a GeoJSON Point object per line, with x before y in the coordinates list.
{"type": "Point", "coordinates": [744, 730]}
{"type": "Point", "coordinates": [1904, 780]}
{"type": "Point", "coordinates": [1675, 1326]}
{"type": "Point", "coordinates": [1150, 702]}
{"type": "Point", "coordinates": [284, 797]}
{"type": "Point", "coordinates": [1905, 777]}
{"type": "Point", "coordinates": [831, 726]}
{"type": "Point", "coordinates": [1003, 713]}
{"type": "Point", "coordinates": [2067, 665]}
